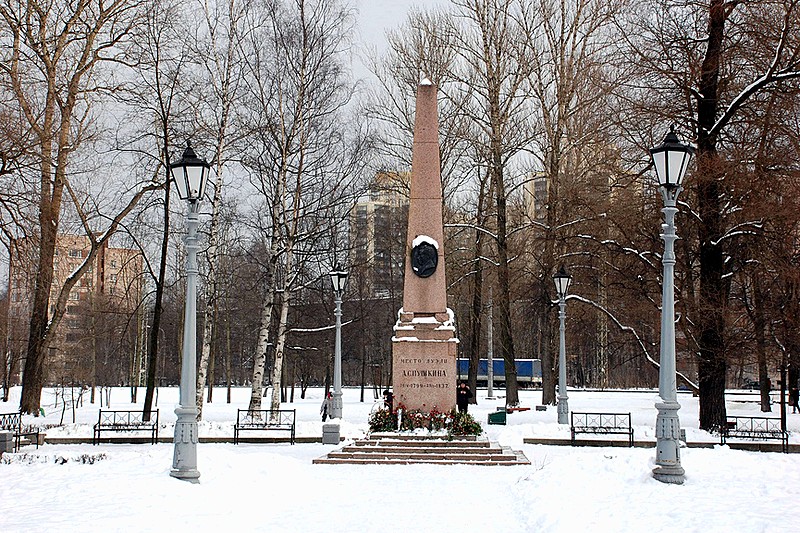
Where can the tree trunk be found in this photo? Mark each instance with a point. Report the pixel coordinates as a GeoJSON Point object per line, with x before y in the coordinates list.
{"type": "Point", "coordinates": [280, 346]}
{"type": "Point", "coordinates": [712, 365]}
{"type": "Point", "coordinates": [228, 379]}
{"type": "Point", "coordinates": [547, 354]}
{"type": "Point", "coordinates": [211, 291]}
{"type": "Point", "coordinates": [476, 314]}
{"type": "Point", "coordinates": [38, 342]}
{"type": "Point", "coordinates": [212, 361]}
{"type": "Point", "coordinates": [503, 275]}
{"type": "Point", "coordinates": [759, 328]}
{"type": "Point", "coordinates": [260, 358]}
{"type": "Point", "coordinates": [158, 309]}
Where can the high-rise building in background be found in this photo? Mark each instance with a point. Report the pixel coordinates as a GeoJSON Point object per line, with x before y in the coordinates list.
{"type": "Point", "coordinates": [535, 191]}
{"type": "Point", "coordinates": [377, 234]}
{"type": "Point", "coordinates": [99, 324]}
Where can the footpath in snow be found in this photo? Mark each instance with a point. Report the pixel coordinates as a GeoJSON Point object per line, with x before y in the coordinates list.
{"type": "Point", "coordinates": [274, 487]}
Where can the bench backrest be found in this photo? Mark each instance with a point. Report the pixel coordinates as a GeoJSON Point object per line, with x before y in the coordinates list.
{"type": "Point", "coordinates": [601, 420]}
{"type": "Point", "coordinates": [753, 424]}
{"type": "Point", "coordinates": [126, 418]}
{"type": "Point", "coordinates": [10, 422]}
{"type": "Point", "coordinates": [265, 417]}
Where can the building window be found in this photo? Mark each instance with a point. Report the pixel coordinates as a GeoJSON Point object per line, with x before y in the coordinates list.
{"type": "Point", "coordinates": [72, 337]}
{"type": "Point", "coordinates": [113, 263]}
{"type": "Point", "coordinates": [112, 278]}
{"type": "Point", "coordinates": [74, 252]}
{"type": "Point", "coordinates": [73, 295]}
{"type": "Point", "coordinates": [72, 309]}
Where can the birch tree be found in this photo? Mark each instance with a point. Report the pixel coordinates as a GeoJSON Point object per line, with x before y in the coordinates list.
{"type": "Point", "coordinates": [302, 158]}
{"type": "Point", "coordinates": [222, 72]}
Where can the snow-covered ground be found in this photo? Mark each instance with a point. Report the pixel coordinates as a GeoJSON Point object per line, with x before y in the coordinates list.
{"type": "Point", "coordinates": [274, 487]}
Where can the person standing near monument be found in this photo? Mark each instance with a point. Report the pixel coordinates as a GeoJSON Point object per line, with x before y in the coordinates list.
{"type": "Point", "coordinates": [463, 395]}
{"type": "Point", "coordinates": [388, 400]}
{"type": "Point", "coordinates": [325, 408]}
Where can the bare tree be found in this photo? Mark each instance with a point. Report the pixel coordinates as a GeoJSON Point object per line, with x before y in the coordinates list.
{"type": "Point", "coordinates": [565, 45]}
{"type": "Point", "coordinates": [302, 160]}
{"type": "Point", "coordinates": [223, 70]}
{"type": "Point", "coordinates": [157, 102]}
{"type": "Point", "coordinates": [747, 50]}
{"type": "Point", "coordinates": [493, 69]}
{"type": "Point", "coordinates": [54, 71]}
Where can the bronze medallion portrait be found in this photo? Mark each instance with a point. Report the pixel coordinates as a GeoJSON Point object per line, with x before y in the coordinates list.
{"type": "Point", "coordinates": [424, 259]}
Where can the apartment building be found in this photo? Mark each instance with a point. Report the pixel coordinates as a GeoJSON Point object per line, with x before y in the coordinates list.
{"type": "Point", "coordinates": [99, 324]}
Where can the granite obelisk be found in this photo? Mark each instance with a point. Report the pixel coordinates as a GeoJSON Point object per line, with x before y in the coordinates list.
{"type": "Point", "coordinates": [424, 342]}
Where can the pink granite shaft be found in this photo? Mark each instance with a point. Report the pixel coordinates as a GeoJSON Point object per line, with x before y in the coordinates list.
{"type": "Point", "coordinates": [425, 295]}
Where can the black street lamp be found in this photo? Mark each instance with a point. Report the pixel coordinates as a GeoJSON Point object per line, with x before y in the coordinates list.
{"type": "Point", "coordinates": [562, 280]}
{"type": "Point", "coordinates": [190, 174]}
{"type": "Point", "coordinates": [671, 159]}
{"type": "Point", "coordinates": [339, 281]}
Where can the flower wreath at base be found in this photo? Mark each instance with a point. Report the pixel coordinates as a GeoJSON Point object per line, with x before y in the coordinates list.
{"type": "Point", "coordinates": [453, 422]}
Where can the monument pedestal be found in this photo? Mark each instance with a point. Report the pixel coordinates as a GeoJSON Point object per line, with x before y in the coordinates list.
{"type": "Point", "coordinates": [424, 356]}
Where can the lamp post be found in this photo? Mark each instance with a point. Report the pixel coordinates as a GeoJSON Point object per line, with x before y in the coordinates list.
{"type": "Point", "coordinates": [670, 158]}
{"type": "Point", "coordinates": [338, 280]}
{"type": "Point", "coordinates": [562, 280]}
{"type": "Point", "coordinates": [190, 174]}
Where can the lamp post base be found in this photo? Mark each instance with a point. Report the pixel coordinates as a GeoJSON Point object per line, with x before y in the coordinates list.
{"type": "Point", "coordinates": [673, 475]}
{"type": "Point", "coordinates": [192, 476]}
{"type": "Point", "coordinates": [563, 410]}
{"type": "Point", "coordinates": [184, 461]}
{"type": "Point", "coordinates": [336, 405]}
{"type": "Point", "coordinates": [668, 456]}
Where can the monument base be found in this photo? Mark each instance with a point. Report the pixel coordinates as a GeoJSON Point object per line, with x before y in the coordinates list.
{"type": "Point", "coordinates": [424, 362]}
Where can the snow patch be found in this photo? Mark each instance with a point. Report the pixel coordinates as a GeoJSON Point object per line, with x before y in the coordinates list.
{"type": "Point", "coordinates": [424, 238]}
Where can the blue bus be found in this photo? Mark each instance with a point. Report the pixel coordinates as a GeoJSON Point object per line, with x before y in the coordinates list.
{"type": "Point", "coordinates": [529, 371]}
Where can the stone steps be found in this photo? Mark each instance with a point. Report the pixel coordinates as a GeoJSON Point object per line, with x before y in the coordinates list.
{"type": "Point", "coordinates": [361, 448]}
{"type": "Point", "coordinates": [423, 450]}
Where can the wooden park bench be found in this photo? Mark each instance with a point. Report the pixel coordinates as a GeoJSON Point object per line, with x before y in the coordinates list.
{"type": "Point", "coordinates": [601, 423]}
{"type": "Point", "coordinates": [125, 421]}
{"type": "Point", "coordinates": [756, 428]}
{"type": "Point", "coordinates": [12, 422]}
{"type": "Point", "coordinates": [264, 420]}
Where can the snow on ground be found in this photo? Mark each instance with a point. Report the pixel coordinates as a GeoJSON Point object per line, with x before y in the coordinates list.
{"type": "Point", "coordinates": [274, 487]}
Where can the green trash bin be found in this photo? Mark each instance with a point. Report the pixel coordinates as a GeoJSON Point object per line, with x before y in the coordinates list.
{"type": "Point", "coordinates": [498, 418]}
